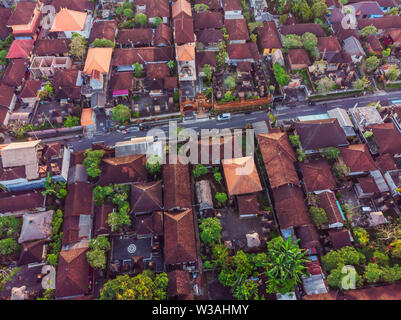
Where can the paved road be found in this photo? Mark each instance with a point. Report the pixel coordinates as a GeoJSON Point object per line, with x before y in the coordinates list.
{"type": "Point", "coordinates": [241, 120]}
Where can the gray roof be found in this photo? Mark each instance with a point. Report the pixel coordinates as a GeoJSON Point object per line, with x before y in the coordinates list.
{"type": "Point", "coordinates": [36, 226]}
{"type": "Point", "coordinates": [77, 173]}
{"type": "Point", "coordinates": [353, 46]}
{"type": "Point", "coordinates": [343, 120]}
{"type": "Point", "coordinates": [314, 284]}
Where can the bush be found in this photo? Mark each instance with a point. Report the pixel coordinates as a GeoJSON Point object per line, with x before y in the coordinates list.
{"type": "Point", "coordinates": [294, 139]}
{"type": "Point", "coordinates": [9, 226]}
{"type": "Point", "coordinates": [373, 273]}
{"type": "Point", "coordinates": [343, 256]}
{"type": "Point", "coordinates": [199, 170]}
{"type": "Point", "coordinates": [381, 258]}
{"type": "Point", "coordinates": [103, 43]}
{"type": "Point", "coordinates": [52, 259]}
{"type": "Point", "coordinates": [8, 246]}
{"type": "Point", "coordinates": [280, 74]}
{"type": "Point", "coordinates": [218, 177]}
{"type": "Point", "coordinates": [318, 215]}
{"type": "Point", "coordinates": [331, 153]}
{"type": "Point", "coordinates": [361, 236]}
{"type": "Point", "coordinates": [153, 164]}
{"type": "Point", "coordinates": [210, 230]}
{"type": "Point", "coordinates": [221, 197]}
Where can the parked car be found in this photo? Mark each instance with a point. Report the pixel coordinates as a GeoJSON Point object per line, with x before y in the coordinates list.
{"type": "Point", "coordinates": [133, 129]}
{"type": "Point", "coordinates": [311, 103]}
{"type": "Point", "coordinates": [143, 126]}
{"type": "Point", "coordinates": [224, 116]}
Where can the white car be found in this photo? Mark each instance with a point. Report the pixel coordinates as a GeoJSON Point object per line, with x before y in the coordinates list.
{"type": "Point", "coordinates": [224, 116]}
{"type": "Point", "coordinates": [133, 129]}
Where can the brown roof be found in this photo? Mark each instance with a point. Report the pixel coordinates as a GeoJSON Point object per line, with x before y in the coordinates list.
{"type": "Point", "coordinates": [102, 213]}
{"type": "Point", "coordinates": [163, 35]}
{"type": "Point", "coordinates": [343, 34]}
{"type": "Point", "coordinates": [339, 238]}
{"type": "Point", "coordinates": [159, 8]}
{"type": "Point", "coordinates": [50, 47]}
{"type": "Point", "coordinates": [208, 20]}
{"type": "Point", "coordinates": [65, 78]}
{"type": "Point", "coordinates": [205, 57]}
{"type": "Point", "coordinates": [300, 29]}
{"type": "Point", "coordinates": [386, 162]}
{"type": "Point", "coordinates": [5, 13]}
{"type": "Point", "coordinates": [279, 158]}
{"type": "Point", "coordinates": [317, 134]}
{"type": "Point", "coordinates": [357, 157]}
{"type": "Point", "coordinates": [387, 137]}
{"type": "Point", "coordinates": [241, 51]}
{"type": "Point", "coordinates": [248, 204]}
{"type": "Point", "coordinates": [241, 176]}
{"type": "Point", "coordinates": [31, 88]}
{"type": "Point", "coordinates": [179, 237]}
{"type": "Point", "coordinates": [122, 81]}
{"type": "Point", "coordinates": [22, 13]}
{"type": "Point", "coordinates": [268, 36]}
{"type": "Point", "coordinates": [129, 56]}
{"type": "Point", "coordinates": [183, 30]}
{"type": "Point", "coordinates": [381, 23]}
{"type": "Point", "coordinates": [290, 207]}
{"type": "Point", "coordinates": [368, 185]}
{"type": "Point", "coordinates": [31, 252]}
{"type": "Point", "coordinates": [12, 173]}
{"type": "Point", "coordinates": [6, 95]}
{"type": "Point", "coordinates": [79, 199]}
{"type": "Point", "coordinates": [328, 44]}
{"type": "Point", "coordinates": [237, 29]}
{"type": "Point", "coordinates": [170, 83]}
{"type": "Point", "coordinates": [209, 36]}
{"type": "Point", "coordinates": [72, 273]}
{"type": "Point", "coordinates": [77, 5]}
{"type": "Point", "coordinates": [181, 7]}
{"type": "Point", "coordinates": [146, 197]}
{"type": "Point", "coordinates": [177, 187]}
{"type": "Point", "coordinates": [298, 56]}
{"type": "Point", "coordinates": [231, 5]}
{"type": "Point", "coordinates": [157, 70]}
{"type": "Point", "coordinates": [373, 44]}
{"type": "Point", "coordinates": [141, 36]}
{"type": "Point", "coordinates": [317, 175]}
{"type": "Point", "coordinates": [103, 29]}
{"type": "Point", "coordinates": [15, 72]}
{"type": "Point", "coordinates": [308, 236]}
{"type": "Point", "coordinates": [124, 169]}
{"type": "Point", "coordinates": [179, 284]}
{"type": "Point", "coordinates": [149, 224]}
{"type": "Point", "coordinates": [21, 202]}
{"type": "Point", "coordinates": [327, 201]}
{"type": "Point", "coordinates": [212, 4]}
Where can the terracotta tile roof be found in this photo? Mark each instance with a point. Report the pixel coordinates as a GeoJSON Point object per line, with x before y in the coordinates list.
{"type": "Point", "coordinates": [373, 44]}
{"type": "Point", "coordinates": [212, 4]}
{"type": "Point", "coordinates": [12, 173]}
{"type": "Point", "coordinates": [205, 57]}
{"type": "Point", "coordinates": [124, 169]}
{"type": "Point", "coordinates": [367, 8]}
{"type": "Point", "coordinates": [79, 199]}
{"type": "Point", "coordinates": [237, 29]}
{"type": "Point", "coordinates": [387, 138]}
{"type": "Point", "coordinates": [22, 13]}
{"type": "Point", "coordinates": [381, 23]}
{"type": "Point", "coordinates": [122, 81]}
{"type": "Point", "coordinates": [242, 51]}
{"type": "Point", "coordinates": [317, 134]}
{"type": "Point", "coordinates": [300, 29]}
{"type": "Point", "coordinates": [32, 252]}
{"type": "Point", "coordinates": [72, 273]}
{"type": "Point", "coordinates": [181, 6]}
{"type": "Point", "coordinates": [98, 59]}
{"type": "Point", "coordinates": [208, 20]}
{"type": "Point", "coordinates": [183, 30]}
{"type": "Point", "coordinates": [50, 47]}
{"type": "Point", "coordinates": [248, 204]}
{"type": "Point", "coordinates": [142, 36]}
{"type": "Point", "coordinates": [231, 5]}
{"type": "Point", "coordinates": [308, 236]}
{"type": "Point", "coordinates": [31, 88]}
{"type": "Point", "coordinates": [327, 201]}
{"type": "Point", "coordinates": [328, 44]}
{"type": "Point", "coordinates": [357, 157]}
{"type": "Point", "coordinates": [241, 176]}
{"type": "Point", "coordinates": [185, 53]}
{"type": "Point", "coordinates": [5, 14]}
{"type": "Point", "coordinates": [103, 29]}
{"type": "Point", "coordinates": [170, 83]}
{"type": "Point", "coordinates": [159, 8]}
{"type": "Point", "coordinates": [6, 95]}
{"type": "Point", "coordinates": [368, 185]}
{"type": "Point", "coordinates": [102, 213]}
{"type": "Point", "coordinates": [386, 162]}
{"type": "Point", "coordinates": [163, 35]}
{"type": "Point", "coordinates": [209, 36]}
{"type": "Point", "coordinates": [157, 70]}
{"type": "Point", "coordinates": [129, 56]}
{"type": "Point", "coordinates": [65, 78]}
{"type": "Point", "coordinates": [290, 207]}
{"type": "Point", "coordinates": [177, 187]}
{"type": "Point", "coordinates": [21, 202]}
{"type": "Point", "coordinates": [69, 20]}
{"type": "Point", "coordinates": [317, 175]}
{"type": "Point", "coordinates": [179, 237]}
{"type": "Point", "coordinates": [15, 72]}
{"type": "Point", "coordinates": [268, 36]}
{"type": "Point", "coordinates": [77, 5]}
{"type": "Point", "coordinates": [298, 56]}
{"type": "Point", "coordinates": [279, 159]}
{"type": "Point", "coordinates": [20, 49]}
{"type": "Point", "coordinates": [146, 197]}
{"type": "Point", "coordinates": [340, 238]}
{"type": "Point", "coordinates": [179, 284]}
{"type": "Point", "coordinates": [149, 224]}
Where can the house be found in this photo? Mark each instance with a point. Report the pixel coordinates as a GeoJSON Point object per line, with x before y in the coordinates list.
{"type": "Point", "coordinates": [185, 57]}
{"type": "Point", "coordinates": [208, 39]}
{"type": "Point", "coordinates": [24, 20]}
{"type": "Point", "coordinates": [129, 38]}
{"type": "Point", "coordinates": [177, 187]}
{"type": "Point", "coordinates": [394, 36]}
{"type": "Point", "coordinates": [21, 203]}
{"type": "Point", "coordinates": [66, 22]}
{"type": "Point", "coordinates": [278, 157]}
{"type": "Point", "coordinates": [30, 92]}
{"type": "Point", "coordinates": [366, 187]}
{"type": "Point", "coordinates": [97, 66]}
{"type": "Point", "coordinates": [208, 20]}
{"type": "Point", "coordinates": [36, 226]}
{"type": "Point", "coordinates": [340, 238]}
{"type": "Point", "coordinates": [357, 157]}
{"type": "Point", "coordinates": [396, 116]}
{"type": "Point", "coordinates": [72, 274]}
{"type": "Point", "coordinates": [363, 117]}
{"type": "Point", "coordinates": [51, 47]}
{"type": "Point", "coordinates": [343, 119]}
{"type": "Point", "coordinates": [385, 162]}
{"type": "Point", "coordinates": [76, 5]}
{"type": "Point", "coordinates": [146, 197]}
{"type": "Point", "coordinates": [181, 7]}
{"type": "Point", "coordinates": [15, 73]}
{"type": "Point", "coordinates": [88, 120]}
{"type": "Point", "coordinates": [149, 224]}
{"type": "Point", "coordinates": [237, 30]}
{"type": "Point", "coordinates": [121, 84]}
{"type": "Point", "coordinates": [7, 103]}
{"type": "Point", "coordinates": [268, 38]}
{"type": "Point", "coordinates": [382, 23]}
{"type": "Point", "coordinates": [290, 207]}
{"type": "Point", "coordinates": [329, 47]}
{"type": "Point", "coordinates": [179, 285]}
{"type": "Point", "coordinates": [308, 237]}
{"type": "Point", "coordinates": [5, 14]}
{"type": "Point", "coordinates": [32, 253]}
{"type": "Point", "coordinates": [243, 52]}
{"type": "Point", "coordinates": [20, 49]}
{"type": "Point", "coordinates": [125, 58]}
{"type": "Point", "coordinates": [179, 239]}
{"type": "Point", "coordinates": [317, 176]}
{"type": "Point", "coordinates": [387, 138]}
{"type": "Point", "coordinates": [248, 206]}
{"type": "Point", "coordinates": [316, 135]}
{"type": "Point", "coordinates": [298, 59]}
{"type": "Point", "coordinates": [373, 45]}
{"type": "Point", "coordinates": [47, 66]}
{"type": "Point", "coordinates": [214, 5]}
{"type": "Point", "coordinates": [232, 9]}
{"type": "Point", "coordinates": [157, 9]}
{"type": "Point", "coordinates": [329, 203]}
{"type": "Point", "coordinates": [67, 85]}
{"type": "Point", "coordinates": [205, 57]}
{"type": "Point", "coordinates": [300, 29]}
{"type": "Point", "coordinates": [101, 214]}
{"type": "Point", "coordinates": [103, 29]}
{"type": "Point", "coordinates": [163, 35]}
{"type": "Point", "coordinates": [241, 176]}
{"type": "Point", "coordinates": [184, 30]}
{"type": "Point", "coordinates": [367, 10]}
{"type": "Point", "coordinates": [123, 169]}
{"type": "Point", "coordinates": [354, 48]}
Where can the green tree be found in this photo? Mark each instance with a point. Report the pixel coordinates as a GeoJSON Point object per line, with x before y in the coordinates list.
{"type": "Point", "coordinates": [103, 43]}
{"type": "Point", "coordinates": [119, 10]}
{"type": "Point", "coordinates": [128, 5]}
{"type": "Point", "coordinates": [142, 19]}
{"type": "Point", "coordinates": [319, 9]}
{"type": "Point", "coordinates": [71, 121]}
{"type": "Point", "coordinates": [372, 63]}
{"type": "Point", "coordinates": [153, 164]}
{"type": "Point", "coordinates": [96, 259]}
{"type": "Point", "coordinates": [121, 113]}
{"type": "Point", "coordinates": [9, 226]}
{"type": "Point", "coordinates": [292, 41]}
{"type": "Point", "coordinates": [340, 170]}
{"type": "Point", "coordinates": [52, 259]}
{"type": "Point", "coordinates": [118, 219]}
{"type": "Point", "coordinates": [128, 13]}
{"type": "Point", "coordinates": [53, 188]}
{"type": "Point", "coordinates": [92, 162]}
{"type": "Point", "coordinates": [207, 70]}
{"type": "Point", "coordinates": [386, 52]}
{"type": "Point", "coordinates": [394, 11]}
{"type": "Point", "coordinates": [305, 11]}
{"type": "Point", "coordinates": [8, 246]}
{"type": "Point", "coordinates": [199, 170]}
{"type": "Point", "coordinates": [325, 85]}
{"type": "Point", "coordinates": [392, 274]}
{"type": "Point", "coordinates": [221, 197]}
{"type": "Point", "coordinates": [301, 155]}
{"type": "Point", "coordinates": [138, 70]}
{"type": "Point", "coordinates": [344, 256]}
{"type": "Point", "coordinates": [331, 153]}
{"type": "Point", "coordinates": [280, 74]}
{"type": "Point", "coordinates": [318, 216]}
{"type": "Point", "coordinates": [217, 177]}
{"type": "Point", "coordinates": [144, 286]}
{"type": "Point", "coordinates": [335, 278]}
{"type": "Point", "coordinates": [210, 230]}
{"type": "Point", "coordinates": [309, 41]}
{"type": "Point", "coordinates": [171, 64]}
{"type": "Point", "coordinates": [381, 258]}
{"type": "Point", "coordinates": [57, 221]}
{"type": "Point", "coordinates": [373, 273]}
{"type": "Point", "coordinates": [48, 294]}
{"type": "Point", "coordinates": [230, 82]}
{"type": "Point", "coordinates": [294, 140]}
{"type": "Point", "coordinates": [78, 46]}
{"type": "Point", "coordinates": [247, 290]}
{"type": "Point", "coordinates": [201, 7]}
{"type": "Point", "coordinates": [368, 31]}
{"type": "Point", "coordinates": [361, 236]}
{"type": "Point", "coordinates": [361, 83]}
{"type": "Point", "coordinates": [100, 242]}
{"type": "Point", "coordinates": [157, 21]}
{"type": "Point", "coordinates": [393, 72]}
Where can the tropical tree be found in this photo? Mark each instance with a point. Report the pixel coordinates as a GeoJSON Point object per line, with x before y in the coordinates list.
{"type": "Point", "coordinates": [128, 13]}
{"type": "Point", "coordinates": [118, 219]}
{"type": "Point", "coordinates": [121, 113]}
{"type": "Point", "coordinates": [210, 230]}
{"type": "Point", "coordinates": [393, 72]}
{"type": "Point", "coordinates": [318, 216]}
{"type": "Point", "coordinates": [319, 9]}
{"type": "Point", "coordinates": [142, 19]}
{"type": "Point", "coordinates": [340, 170]}
{"type": "Point", "coordinates": [58, 189]}
{"type": "Point", "coordinates": [361, 236]}
{"type": "Point", "coordinates": [103, 43]}
{"type": "Point", "coordinates": [305, 11]}
{"type": "Point", "coordinates": [153, 164]}
{"type": "Point", "coordinates": [331, 153]}
{"type": "Point", "coordinates": [309, 41]}
{"type": "Point", "coordinates": [368, 31]}
{"type": "Point", "coordinates": [372, 63]}
{"type": "Point", "coordinates": [221, 197]}
{"type": "Point", "coordinates": [71, 121]}
{"type": "Point", "coordinates": [78, 46]}
{"type": "Point", "coordinates": [280, 74]}
{"type": "Point", "coordinates": [344, 256]}
{"type": "Point", "coordinates": [292, 41]}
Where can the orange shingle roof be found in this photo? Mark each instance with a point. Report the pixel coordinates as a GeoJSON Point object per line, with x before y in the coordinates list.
{"type": "Point", "coordinates": [87, 117]}
{"type": "Point", "coordinates": [20, 49]}
{"type": "Point", "coordinates": [181, 6]}
{"type": "Point", "coordinates": [185, 53]}
{"type": "Point", "coordinates": [69, 20]}
{"type": "Point", "coordinates": [98, 59]}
